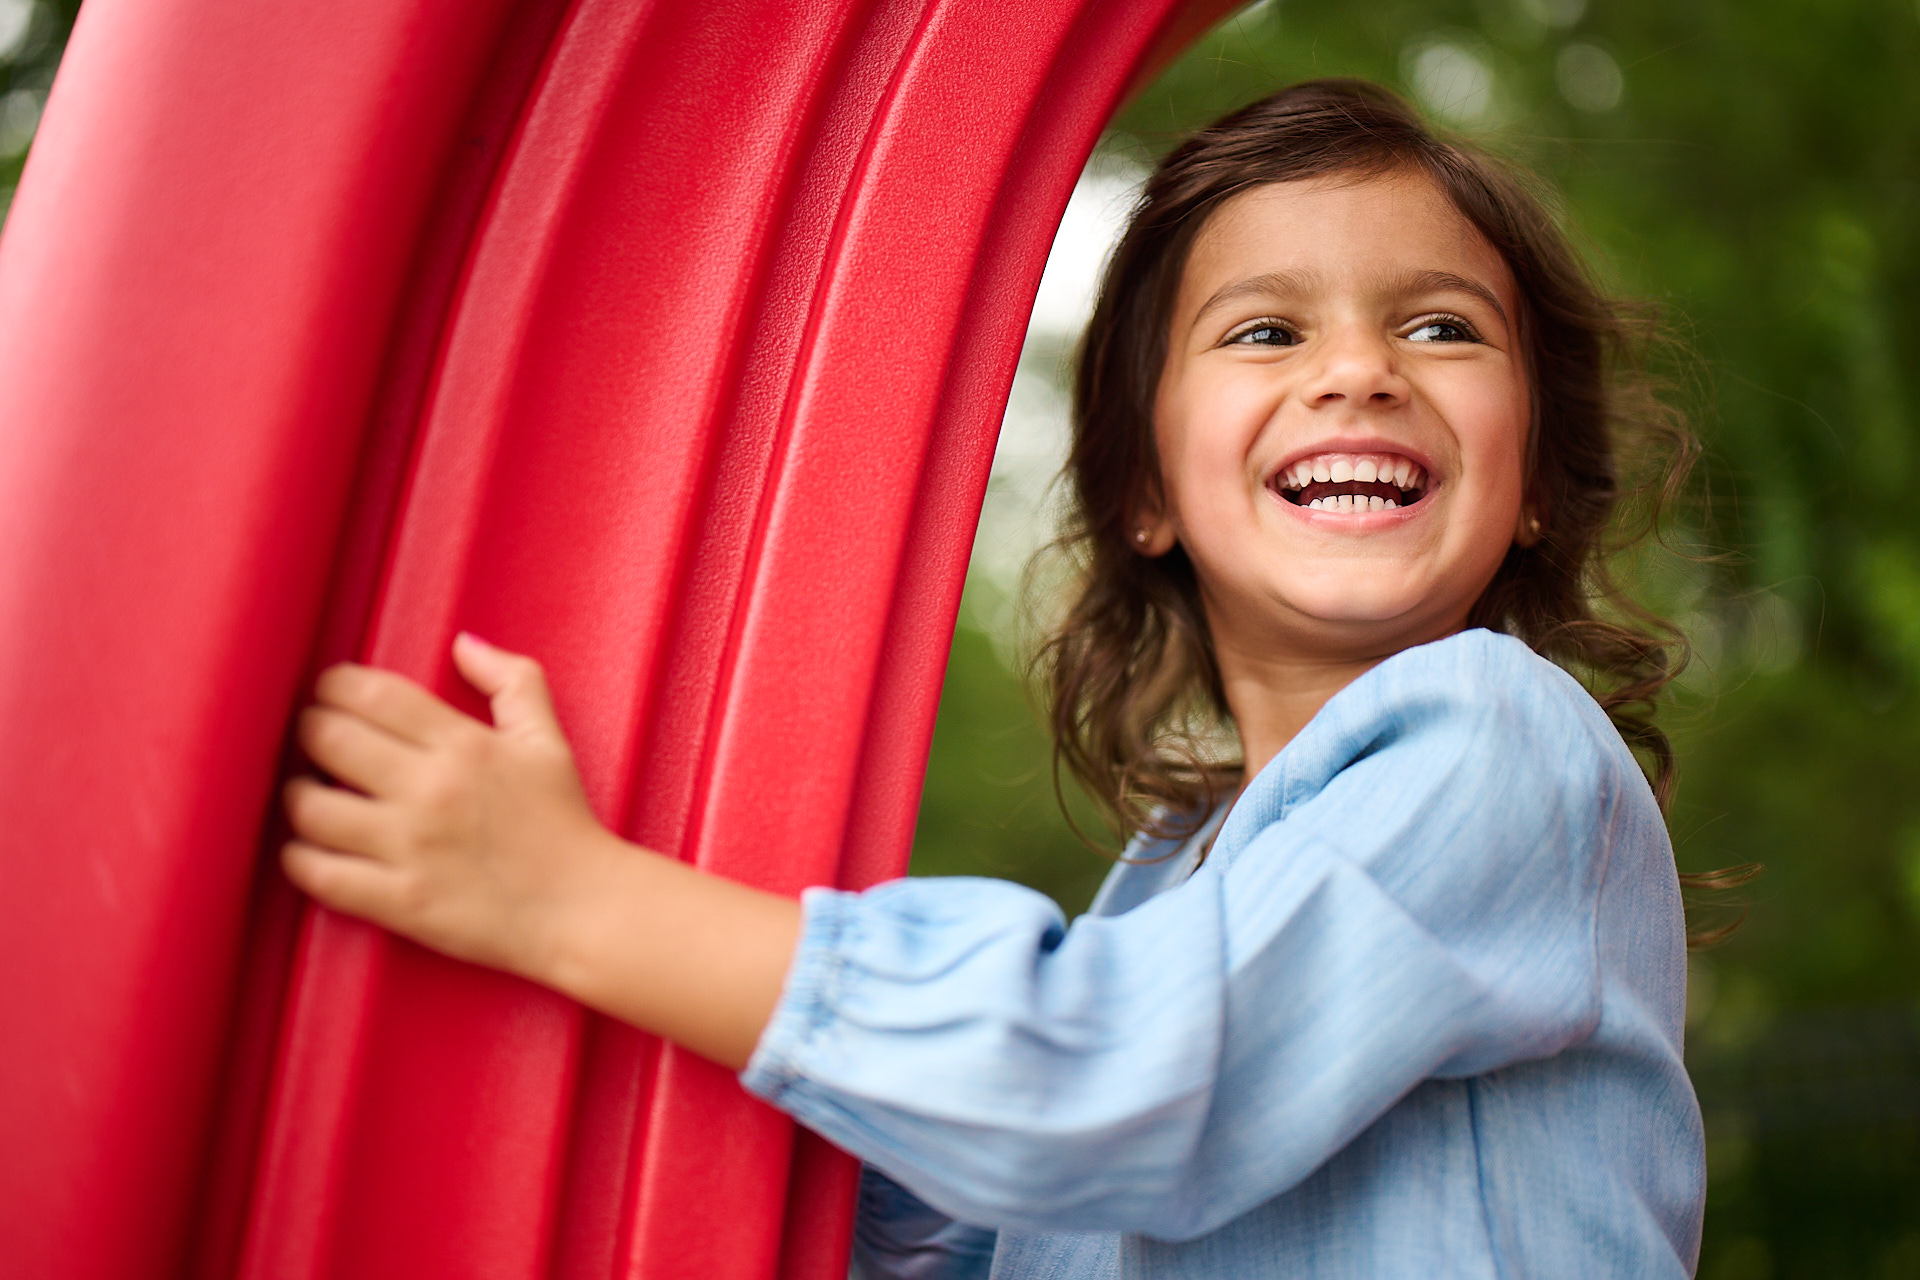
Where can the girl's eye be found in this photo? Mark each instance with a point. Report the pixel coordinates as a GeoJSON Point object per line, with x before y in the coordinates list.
{"type": "Point", "coordinates": [1265, 334]}
{"type": "Point", "coordinates": [1444, 329]}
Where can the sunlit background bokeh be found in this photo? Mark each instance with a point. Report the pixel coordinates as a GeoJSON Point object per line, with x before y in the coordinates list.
{"type": "Point", "coordinates": [1754, 167]}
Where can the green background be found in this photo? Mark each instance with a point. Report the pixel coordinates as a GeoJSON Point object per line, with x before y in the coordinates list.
{"type": "Point", "coordinates": [1759, 177]}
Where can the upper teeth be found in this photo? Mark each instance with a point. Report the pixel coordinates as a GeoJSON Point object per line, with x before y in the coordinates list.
{"type": "Point", "coordinates": [1387, 468]}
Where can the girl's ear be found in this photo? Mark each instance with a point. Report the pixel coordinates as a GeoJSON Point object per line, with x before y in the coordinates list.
{"type": "Point", "coordinates": [1529, 528]}
{"type": "Point", "coordinates": [1151, 534]}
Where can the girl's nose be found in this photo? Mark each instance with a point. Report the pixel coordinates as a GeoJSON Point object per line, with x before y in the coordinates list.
{"type": "Point", "coordinates": [1357, 369]}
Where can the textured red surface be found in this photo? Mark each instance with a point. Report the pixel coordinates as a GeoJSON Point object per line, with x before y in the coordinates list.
{"type": "Point", "coordinates": [667, 342]}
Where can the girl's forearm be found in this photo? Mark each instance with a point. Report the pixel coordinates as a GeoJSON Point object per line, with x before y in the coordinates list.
{"type": "Point", "coordinates": [689, 956]}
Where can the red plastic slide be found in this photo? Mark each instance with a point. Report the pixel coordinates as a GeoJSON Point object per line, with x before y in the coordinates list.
{"type": "Point", "coordinates": [665, 341]}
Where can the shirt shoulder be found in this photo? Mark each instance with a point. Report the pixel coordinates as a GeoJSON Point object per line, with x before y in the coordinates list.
{"type": "Point", "coordinates": [1479, 673]}
{"type": "Point", "coordinates": [1477, 693]}
{"type": "Point", "coordinates": [1523, 712]}
{"type": "Point", "coordinates": [1476, 731]}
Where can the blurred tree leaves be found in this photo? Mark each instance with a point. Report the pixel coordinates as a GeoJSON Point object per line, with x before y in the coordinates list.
{"type": "Point", "coordinates": [1753, 168]}
{"type": "Point", "coordinates": [989, 807]}
{"type": "Point", "coordinates": [33, 35]}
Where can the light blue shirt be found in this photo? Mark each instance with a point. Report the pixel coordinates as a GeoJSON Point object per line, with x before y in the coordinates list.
{"type": "Point", "coordinates": [1417, 1014]}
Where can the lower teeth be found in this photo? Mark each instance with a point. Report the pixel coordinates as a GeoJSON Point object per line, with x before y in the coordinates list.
{"type": "Point", "coordinates": [1352, 504]}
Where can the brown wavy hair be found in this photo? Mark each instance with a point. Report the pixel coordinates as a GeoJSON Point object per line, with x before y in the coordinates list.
{"type": "Point", "coordinates": [1133, 690]}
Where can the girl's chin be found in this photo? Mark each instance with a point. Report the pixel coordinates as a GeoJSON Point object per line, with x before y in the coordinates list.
{"type": "Point", "coordinates": [1350, 599]}
{"type": "Point", "coordinates": [1366, 618]}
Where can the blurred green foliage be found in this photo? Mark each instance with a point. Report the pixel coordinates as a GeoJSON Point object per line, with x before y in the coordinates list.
{"type": "Point", "coordinates": [33, 35]}
{"type": "Point", "coordinates": [989, 807]}
{"type": "Point", "coordinates": [1754, 168]}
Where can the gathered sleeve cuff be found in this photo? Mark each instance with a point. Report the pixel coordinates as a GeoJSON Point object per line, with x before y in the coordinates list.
{"type": "Point", "coordinates": [806, 1004]}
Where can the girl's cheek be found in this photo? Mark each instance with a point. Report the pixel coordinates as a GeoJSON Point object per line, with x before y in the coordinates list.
{"type": "Point", "coordinates": [1491, 426]}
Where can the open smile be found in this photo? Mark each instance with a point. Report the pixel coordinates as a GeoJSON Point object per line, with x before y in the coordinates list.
{"type": "Point", "coordinates": [1352, 483]}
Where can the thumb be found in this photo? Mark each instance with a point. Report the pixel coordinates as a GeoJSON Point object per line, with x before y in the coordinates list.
{"type": "Point", "coordinates": [514, 684]}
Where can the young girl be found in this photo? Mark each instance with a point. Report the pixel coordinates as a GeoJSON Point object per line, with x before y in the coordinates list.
{"type": "Point", "coordinates": [1406, 1005]}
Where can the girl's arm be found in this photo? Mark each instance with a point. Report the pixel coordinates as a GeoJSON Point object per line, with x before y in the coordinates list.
{"type": "Point", "coordinates": [478, 841]}
{"type": "Point", "coordinates": [1409, 891]}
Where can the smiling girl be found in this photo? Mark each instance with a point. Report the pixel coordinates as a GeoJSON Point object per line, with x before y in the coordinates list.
{"type": "Point", "coordinates": [1396, 994]}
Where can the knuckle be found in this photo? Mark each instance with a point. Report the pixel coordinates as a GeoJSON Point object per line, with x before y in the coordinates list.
{"type": "Point", "coordinates": [310, 870]}
{"type": "Point", "coordinates": [412, 893]}
{"type": "Point", "coordinates": [299, 797]}
{"type": "Point", "coordinates": [473, 746]}
{"type": "Point", "coordinates": [293, 861]}
{"type": "Point", "coordinates": [343, 683]}
{"type": "Point", "coordinates": [320, 731]}
{"type": "Point", "coordinates": [443, 792]}
{"type": "Point", "coordinates": [377, 693]}
{"type": "Point", "coordinates": [329, 682]}
{"type": "Point", "coordinates": [369, 691]}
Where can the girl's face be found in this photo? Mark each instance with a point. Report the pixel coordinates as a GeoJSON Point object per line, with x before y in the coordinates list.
{"type": "Point", "coordinates": [1342, 420]}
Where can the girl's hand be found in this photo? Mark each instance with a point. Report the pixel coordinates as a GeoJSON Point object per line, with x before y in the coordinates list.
{"type": "Point", "coordinates": [471, 839]}
{"type": "Point", "coordinates": [478, 841]}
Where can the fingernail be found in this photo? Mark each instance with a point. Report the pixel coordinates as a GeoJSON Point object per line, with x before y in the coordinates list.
{"type": "Point", "coordinates": [473, 639]}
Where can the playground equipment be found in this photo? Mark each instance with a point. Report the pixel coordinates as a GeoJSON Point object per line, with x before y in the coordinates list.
{"type": "Point", "coordinates": [665, 341]}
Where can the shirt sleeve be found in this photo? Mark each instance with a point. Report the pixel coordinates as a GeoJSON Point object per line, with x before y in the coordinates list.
{"type": "Point", "coordinates": [1410, 892]}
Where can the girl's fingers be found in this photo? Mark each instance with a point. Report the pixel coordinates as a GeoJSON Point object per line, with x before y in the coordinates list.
{"type": "Point", "coordinates": [392, 702]}
{"type": "Point", "coordinates": [339, 881]}
{"type": "Point", "coordinates": [354, 750]}
{"type": "Point", "coordinates": [334, 819]}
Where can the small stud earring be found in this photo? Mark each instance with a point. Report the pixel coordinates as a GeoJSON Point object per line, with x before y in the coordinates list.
{"type": "Point", "coordinates": [1533, 525]}
{"type": "Point", "coordinates": [1141, 536]}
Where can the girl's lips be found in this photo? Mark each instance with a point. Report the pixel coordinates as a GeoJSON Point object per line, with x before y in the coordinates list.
{"type": "Point", "coordinates": [1353, 480]}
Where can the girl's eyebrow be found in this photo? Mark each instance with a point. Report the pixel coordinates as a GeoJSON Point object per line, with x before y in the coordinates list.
{"type": "Point", "coordinates": [1416, 282]}
{"type": "Point", "coordinates": [1267, 284]}
{"type": "Point", "coordinates": [1285, 283]}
